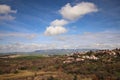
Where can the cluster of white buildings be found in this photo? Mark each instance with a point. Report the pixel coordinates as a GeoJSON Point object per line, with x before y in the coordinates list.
{"type": "Point", "coordinates": [79, 58]}
{"type": "Point", "coordinates": [90, 57]}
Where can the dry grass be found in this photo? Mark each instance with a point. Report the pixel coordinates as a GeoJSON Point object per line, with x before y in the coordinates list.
{"type": "Point", "coordinates": [18, 75]}
{"type": "Point", "coordinates": [25, 73]}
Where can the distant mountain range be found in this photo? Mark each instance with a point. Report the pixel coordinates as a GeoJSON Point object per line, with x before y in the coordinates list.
{"type": "Point", "coordinates": [53, 51]}
{"type": "Point", "coordinates": [62, 51]}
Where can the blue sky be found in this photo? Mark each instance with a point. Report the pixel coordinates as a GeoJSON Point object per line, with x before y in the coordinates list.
{"type": "Point", "coordinates": [28, 25]}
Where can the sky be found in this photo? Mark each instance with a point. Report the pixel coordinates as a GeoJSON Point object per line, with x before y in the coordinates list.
{"type": "Point", "coordinates": [29, 25]}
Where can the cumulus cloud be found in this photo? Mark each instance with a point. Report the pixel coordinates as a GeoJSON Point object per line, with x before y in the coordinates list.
{"type": "Point", "coordinates": [74, 12]}
{"type": "Point", "coordinates": [59, 22]}
{"type": "Point", "coordinates": [69, 13]}
{"type": "Point", "coordinates": [55, 30]}
{"type": "Point", "coordinates": [5, 12]}
{"type": "Point", "coordinates": [56, 27]}
{"type": "Point", "coordinates": [5, 9]}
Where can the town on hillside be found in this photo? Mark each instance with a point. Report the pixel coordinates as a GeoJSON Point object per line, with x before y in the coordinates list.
{"type": "Point", "coordinates": [91, 55]}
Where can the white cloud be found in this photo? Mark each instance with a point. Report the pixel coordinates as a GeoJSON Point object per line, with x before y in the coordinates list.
{"type": "Point", "coordinates": [100, 40]}
{"type": "Point", "coordinates": [74, 12]}
{"type": "Point", "coordinates": [5, 12]}
{"type": "Point", "coordinates": [59, 22]}
{"type": "Point", "coordinates": [55, 30]}
{"type": "Point", "coordinates": [70, 13]}
{"type": "Point", "coordinates": [56, 27]}
{"type": "Point", "coordinates": [7, 17]}
{"type": "Point", "coordinates": [5, 9]}
{"type": "Point", "coordinates": [25, 47]}
{"type": "Point", "coordinates": [18, 35]}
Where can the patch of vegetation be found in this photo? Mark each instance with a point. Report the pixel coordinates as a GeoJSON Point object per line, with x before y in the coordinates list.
{"type": "Point", "coordinates": [23, 68]}
{"type": "Point", "coordinates": [29, 57]}
{"type": "Point", "coordinates": [34, 68]}
{"type": "Point", "coordinates": [16, 71]}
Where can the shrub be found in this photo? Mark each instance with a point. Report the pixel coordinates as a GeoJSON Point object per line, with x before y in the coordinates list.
{"type": "Point", "coordinates": [16, 71]}
{"type": "Point", "coordinates": [23, 68]}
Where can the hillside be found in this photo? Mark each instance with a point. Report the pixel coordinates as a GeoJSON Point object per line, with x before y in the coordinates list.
{"type": "Point", "coordinates": [90, 65]}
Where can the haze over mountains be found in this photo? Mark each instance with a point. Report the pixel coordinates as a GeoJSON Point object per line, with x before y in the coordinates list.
{"type": "Point", "coordinates": [61, 51]}
{"type": "Point", "coordinates": [53, 51]}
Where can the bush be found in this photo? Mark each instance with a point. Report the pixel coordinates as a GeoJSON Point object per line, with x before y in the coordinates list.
{"type": "Point", "coordinates": [16, 71]}
{"type": "Point", "coordinates": [23, 68]}
{"type": "Point", "coordinates": [51, 78]}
